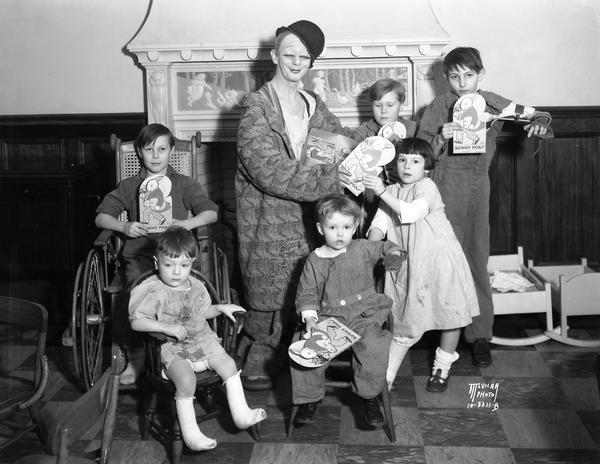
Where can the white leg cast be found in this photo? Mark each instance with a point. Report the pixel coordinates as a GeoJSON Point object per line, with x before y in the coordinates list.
{"type": "Point", "coordinates": [242, 415]}
{"type": "Point", "coordinates": [398, 349]}
{"type": "Point", "coordinates": [192, 436]}
{"type": "Point", "coordinates": [397, 354]}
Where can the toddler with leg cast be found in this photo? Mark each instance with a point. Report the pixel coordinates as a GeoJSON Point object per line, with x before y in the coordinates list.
{"type": "Point", "coordinates": [177, 305]}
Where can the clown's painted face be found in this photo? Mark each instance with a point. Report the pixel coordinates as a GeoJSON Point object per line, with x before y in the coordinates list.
{"type": "Point", "coordinates": [292, 58]}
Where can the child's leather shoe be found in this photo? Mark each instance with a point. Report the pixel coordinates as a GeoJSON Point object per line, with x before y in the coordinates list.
{"type": "Point", "coordinates": [306, 412]}
{"type": "Point", "coordinates": [437, 384]}
{"type": "Point", "coordinates": [372, 412]}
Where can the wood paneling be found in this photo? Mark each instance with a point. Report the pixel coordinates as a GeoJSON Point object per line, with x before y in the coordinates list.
{"type": "Point", "coordinates": [54, 170]}
{"type": "Point", "coordinates": [550, 202]}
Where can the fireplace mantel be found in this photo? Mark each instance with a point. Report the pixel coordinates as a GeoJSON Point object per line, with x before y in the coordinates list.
{"type": "Point", "coordinates": [220, 50]}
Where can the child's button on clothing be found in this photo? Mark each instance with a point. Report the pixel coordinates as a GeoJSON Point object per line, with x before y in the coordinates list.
{"type": "Point", "coordinates": [343, 302]}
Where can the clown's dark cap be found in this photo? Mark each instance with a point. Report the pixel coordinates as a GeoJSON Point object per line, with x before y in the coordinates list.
{"type": "Point", "coordinates": [309, 34]}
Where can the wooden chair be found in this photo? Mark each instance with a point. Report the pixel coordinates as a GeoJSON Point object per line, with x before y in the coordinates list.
{"type": "Point", "coordinates": [160, 416]}
{"type": "Point", "coordinates": [338, 375]}
{"type": "Point", "coordinates": [65, 426]}
{"type": "Point", "coordinates": [23, 328]}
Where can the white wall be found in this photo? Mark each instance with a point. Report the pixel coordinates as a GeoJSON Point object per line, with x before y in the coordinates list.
{"type": "Point", "coordinates": [538, 52]}
{"type": "Point", "coordinates": [65, 56]}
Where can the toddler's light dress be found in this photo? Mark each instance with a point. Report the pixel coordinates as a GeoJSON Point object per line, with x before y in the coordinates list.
{"type": "Point", "coordinates": [434, 288]}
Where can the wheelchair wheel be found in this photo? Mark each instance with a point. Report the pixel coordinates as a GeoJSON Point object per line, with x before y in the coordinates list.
{"type": "Point", "coordinates": [89, 320]}
{"type": "Point", "coordinates": [76, 304]}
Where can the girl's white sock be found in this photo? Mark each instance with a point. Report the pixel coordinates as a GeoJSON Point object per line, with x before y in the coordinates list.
{"type": "Point", "coordinates": [242, 415]}
{"type": "Point", "coordinates": [443, 361]}
{"type": "Point", "coordinates": [192, 436]}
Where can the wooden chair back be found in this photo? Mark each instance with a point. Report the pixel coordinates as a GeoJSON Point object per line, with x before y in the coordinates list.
{"type": "Point", "coordinates": [23, 329]}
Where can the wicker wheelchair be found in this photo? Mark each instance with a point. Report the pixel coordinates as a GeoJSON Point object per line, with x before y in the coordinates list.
{"type": "Point", "coordinates": [99, 282]}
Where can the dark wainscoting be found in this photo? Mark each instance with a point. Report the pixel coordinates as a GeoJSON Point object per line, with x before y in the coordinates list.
{"type": "Point", "coordinates": [55, 168]}
{"type": "Point", "coordinates": [53, 172]}
{"type": "Point", "coordinates": [549, 203]}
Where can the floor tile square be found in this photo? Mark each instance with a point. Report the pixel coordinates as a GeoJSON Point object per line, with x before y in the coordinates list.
{"type": "Point", "coordinates": [537, 456]}
{"type": "Point", "coordinates": [461, 427]}
{"type": "Point", "coordinates": [519, 363]}
{"type": "Point", "coordinates": [467, 455]}
{"type": "Point", "coordinates": [544, 429]}
{"type": "Point", "coordinates": [571, 363]}
{"type": "Point", "coordinates": [289, 453]}
{"type": "Point", "coordinates": [353, 431]}
{"type": "Point", "coordinates": [353, 454]}
{"type": "Point", "coordinates": [529, 392]}
{"type": "Point", "coordinates": [128, 422]}
{"type": "Point", "coordinates": [324, 428]}
{"type": "Point", "coordinates": [591, 422]}
{"type": "Point", "coordinates": [582, 392]}
{"type": "Point", "coordinates": [138, 452]}
{"type": "Point", "coordinates": [224, 453]}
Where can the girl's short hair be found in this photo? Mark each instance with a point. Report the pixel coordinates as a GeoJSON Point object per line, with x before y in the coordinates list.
{"type": "Point", "coordinates": [149, 134]}
{"type": "Point", "coordinates": [465, 57]}
{"type": "Point", "coordinates": [337, 203]}
{"type": "Point", "coordinates": [386, 85]}
{"type": "Point", "coordinates": [416, 146]}
{"type": "Point", "coordinates": [176, 241]}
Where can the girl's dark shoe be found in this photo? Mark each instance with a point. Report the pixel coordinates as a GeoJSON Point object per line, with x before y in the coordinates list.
{"type": "Point", "coordinates": [306, 412]}
{"type": "Point", "coordinates": [372, 412]}
{"type": "Point", "coordinates": [436, 384]}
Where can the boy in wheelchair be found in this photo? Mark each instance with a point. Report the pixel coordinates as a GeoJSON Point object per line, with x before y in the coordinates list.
{"type": "Point", "coordinates": [154, 145]}
{"type": "Point", "coordinates": [177, 305]}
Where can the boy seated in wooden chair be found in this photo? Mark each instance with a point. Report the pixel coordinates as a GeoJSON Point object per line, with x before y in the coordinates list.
{"type": "Point", "coordinates": [154, 146]}
{"type": "Point", "coordinates": [177, 305]}
{"type": "Point", "coordinates": [337, 280]}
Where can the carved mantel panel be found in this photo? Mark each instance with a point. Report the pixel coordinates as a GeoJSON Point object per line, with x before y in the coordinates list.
{"type": "Point", "coordinates": [200, 61]}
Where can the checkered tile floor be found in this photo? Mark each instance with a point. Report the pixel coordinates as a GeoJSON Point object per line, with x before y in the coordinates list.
{"type": "Point", "coordinates": [537, 404]}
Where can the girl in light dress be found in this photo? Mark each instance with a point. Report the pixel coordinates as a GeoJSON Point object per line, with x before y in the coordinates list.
{"type": "Point", "coordinates": [434, 289]}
